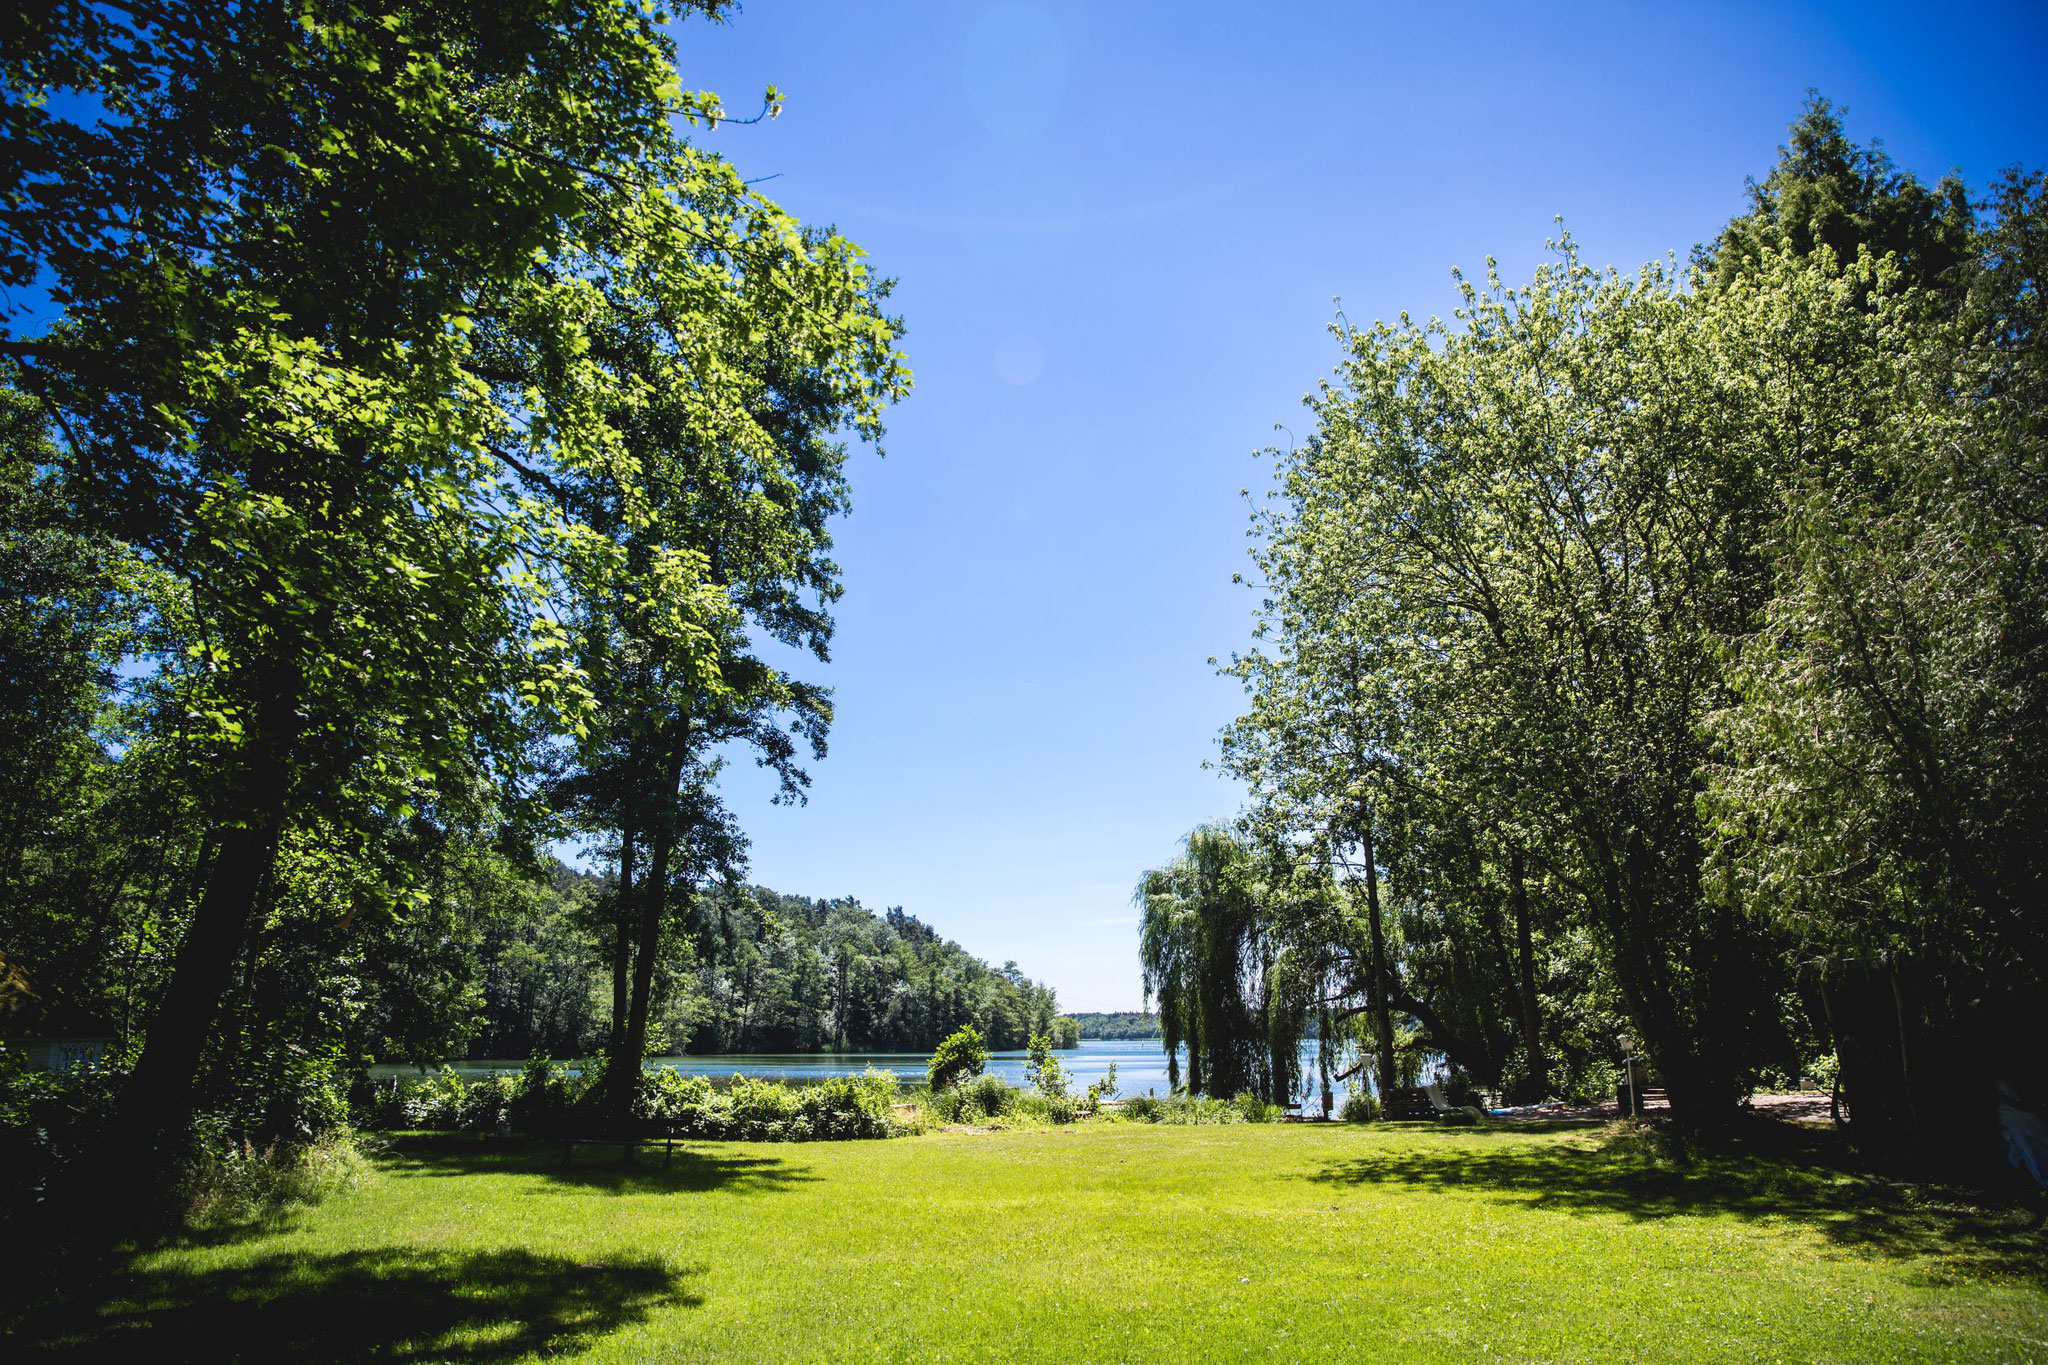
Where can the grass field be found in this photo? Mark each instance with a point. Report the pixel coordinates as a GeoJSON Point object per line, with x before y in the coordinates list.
{"type": "Point", "coordinates": [1103, 1241]}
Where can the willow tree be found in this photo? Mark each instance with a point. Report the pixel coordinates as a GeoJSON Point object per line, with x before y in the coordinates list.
{"type": "Point", "coordinates": [1198, 942]}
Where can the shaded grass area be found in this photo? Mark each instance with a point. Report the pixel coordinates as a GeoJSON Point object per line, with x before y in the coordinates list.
{"type": "Point", "coordinates": [377, 1304]}
{"type": "Point", "coordinates": [696, 1167]}
{"type": "Point", "coordinates": [1779, 1173]}
{"type": "Point", "coordinates": [1101, 1241]}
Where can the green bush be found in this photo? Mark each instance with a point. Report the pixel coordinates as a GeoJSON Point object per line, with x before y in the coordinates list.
{"type": "Point", "coordinates": [752, 1110]}
{"type": "Point", "coordinates": [960, 1057]}
{"type": "Point", "coordinates": [46, 1118]}
{"type": "Point", "coordinates": [1048, 1108]}
{"type": "Point", "coordinates": [944, 1106]}
{"type": "Point", "coordinates": [547, 1094]}
{"type": "Point", "coordinates": [446, 1100]}
{"type": "Point", "coordinates": [1043, 1071]}
{"type": "Point", "coordinates": [1252, 1109]}
{"type": "Point", "coordinates": [545, 1098]}
{"type": "Point", "coordinates": [989, 1096]}
{"type": "Point", "coordinates": [1142, 1108]}
{"type": "Point", "coordinates": [1361, 1106]}
{"type": "Point", "coordinates": [1181, 1109]}
{"type": "Point", "coordinates": [275, 1096]}
{"type": "Point", "coordinates": [984, 1097]}
{"type": "Point", "coordinates": [1596, 1082]}
{"type": "Point", "coordinates": [223, 1187]}
{"type": "Point", "coordinates": [1101, 1090]}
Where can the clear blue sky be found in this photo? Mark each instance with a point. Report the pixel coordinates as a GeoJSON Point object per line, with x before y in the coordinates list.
{"type": "Point", "coordinates": [1118, 229]}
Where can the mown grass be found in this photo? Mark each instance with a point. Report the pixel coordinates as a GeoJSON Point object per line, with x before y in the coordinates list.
{"type": "Point", "coordinates": [1101, 1241]}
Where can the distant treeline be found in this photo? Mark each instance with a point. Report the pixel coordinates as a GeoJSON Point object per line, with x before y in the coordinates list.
{"type": "Point", "coordinates": [757, 972]}
{"type": "Point", "coordinates": [1118, 1025]}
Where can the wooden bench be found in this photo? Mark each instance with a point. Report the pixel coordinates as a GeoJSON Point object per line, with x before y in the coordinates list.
{"type": "Point", "coordinates": [1407, 1102]}
{"type": "Point", "coordinates": [1644, 1096]}
{"type": "Point", "coordinates": [646, 1137]}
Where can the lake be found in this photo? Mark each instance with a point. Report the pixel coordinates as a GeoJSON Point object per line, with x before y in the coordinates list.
{"type": "Point", "coordinates": [1140, 1065]}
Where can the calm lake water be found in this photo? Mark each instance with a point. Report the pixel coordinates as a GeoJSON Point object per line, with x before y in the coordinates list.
{"type": "Point", "coordinates": [1140, 1065]}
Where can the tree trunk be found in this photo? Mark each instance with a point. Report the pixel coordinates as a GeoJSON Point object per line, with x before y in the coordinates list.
{"type": "Point", "coordinates": [1827, 1009]}
{"type": "Point", "coordinates": [157, 1102]}
{"type": "Point", "coordinates": [622, 946]}
{"type": "Point", "coordinates": [1382, 975]}
{"type": "Point", "coordinates": [653, 905]}
{"type": "Point", "coordinates": [1538, 1081]}
{"type": "Point", "coordinates": [1917, 1135]}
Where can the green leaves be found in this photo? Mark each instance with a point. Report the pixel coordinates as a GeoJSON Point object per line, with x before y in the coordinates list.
{"type": "Point", "coordinates": [439, 372]}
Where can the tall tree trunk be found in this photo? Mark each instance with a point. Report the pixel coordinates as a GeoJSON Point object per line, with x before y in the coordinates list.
{"type": "Point", "coordinates": [1525, 952]}
{"type": "Point", "coordinates": [1382, 974]}
{"type": "Point", "coordinates": [622, 946]}
{"type": "Point", "coordinates": [653, 905]}
{"type": "Point", "coordinates": [155, 1110]}
{"type": "Point", "coordinates": [1827, 1009]}
{"type": "Point", "coordinates": [1917, 1137]}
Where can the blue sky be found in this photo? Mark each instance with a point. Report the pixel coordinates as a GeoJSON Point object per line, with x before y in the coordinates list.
{"type": "Point", "coordinates": [1118, 230]}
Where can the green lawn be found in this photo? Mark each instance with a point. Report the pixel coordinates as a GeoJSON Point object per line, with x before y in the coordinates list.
{"type": "Point", "coordinates": [1099, 1242]}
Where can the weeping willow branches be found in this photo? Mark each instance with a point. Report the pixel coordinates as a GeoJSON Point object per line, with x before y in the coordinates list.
{"type": "Point", "coordinates": [1236, 946]}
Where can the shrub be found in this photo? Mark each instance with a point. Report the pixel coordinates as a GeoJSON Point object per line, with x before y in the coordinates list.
{"type": "Point", "coordinates": [770, 1111]}
{"type": "Point", "coordinates": [1142, 1108]}
{"type": "Point", "coordinates": [1048, 1108]}
{"type": "Point", "coordinates": [1046, 1075]}
{"type": "Point", "coordinates": [961, 1056]}
{"type": "Point", "coordinates": [46, 1118]}
{"type": "Point", "coordinates": [1252, 1109]}
{"type": "Point", "coordinates": [276, 1095]}
{"type": "Point", "coordinates": [541, 1099]}
{"type": "Point", "coordinates": [1098, 1091]}
{"type": "Point", "coordinates": [986, 1097]}
{"type": "Point", "coordinates": [666, 1095]}
{"type": "Point", "coordinates": [220, 1187]}
{"type": "Point", "coordinates": [1361, 1106]}
{"type": "Point", "coordinates": [1595, 1083]}
{"type": "Point", "coordinates": [944, 1106]}
{"type": "Point", "coordinates": [1181, 1108]}
{"type": "Point", "coordinates": [547, 1093]}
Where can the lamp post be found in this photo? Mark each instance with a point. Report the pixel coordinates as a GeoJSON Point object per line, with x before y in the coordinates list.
{"type": "Point", "coordinates": [1628, 1071]}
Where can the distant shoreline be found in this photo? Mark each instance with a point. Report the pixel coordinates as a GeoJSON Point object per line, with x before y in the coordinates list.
{"type": "Point", "coordinates": [1118, 1026]}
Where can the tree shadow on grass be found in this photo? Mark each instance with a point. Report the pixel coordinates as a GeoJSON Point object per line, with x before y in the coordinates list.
{"type": "Point", "coordinates": [1764, 1171]}
{"type": "Point", "coordinates": [604, 1169]}
{"type": "Point", "coordinates": [394, 1304]}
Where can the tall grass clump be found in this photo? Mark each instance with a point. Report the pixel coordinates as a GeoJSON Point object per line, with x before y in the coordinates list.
{"type": "Point", "coordinates": [240, 1185]}
{"type": "Point", "coordinates": [1183, 1108]}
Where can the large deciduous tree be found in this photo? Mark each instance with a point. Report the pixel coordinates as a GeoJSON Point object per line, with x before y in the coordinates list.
{"type": "Point", "coordinates": [355, 312]}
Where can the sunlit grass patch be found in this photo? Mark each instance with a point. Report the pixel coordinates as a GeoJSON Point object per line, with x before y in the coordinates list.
{"type": "Point", "coordinates": [1102, 1241]}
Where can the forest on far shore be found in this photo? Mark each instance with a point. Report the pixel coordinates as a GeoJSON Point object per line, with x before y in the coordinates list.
{"type": "Point", "coordinates": [757, 972]}
{"type": "Point", "coordinates": [1116, 1025]}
